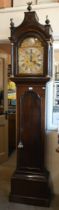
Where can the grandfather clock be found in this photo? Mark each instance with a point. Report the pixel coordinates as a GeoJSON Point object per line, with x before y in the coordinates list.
{"type": "Point", "coordinates": [31, 53]}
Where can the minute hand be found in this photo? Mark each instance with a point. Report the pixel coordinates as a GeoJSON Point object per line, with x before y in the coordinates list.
{"type": "Point", "coordinates": [30, 55]}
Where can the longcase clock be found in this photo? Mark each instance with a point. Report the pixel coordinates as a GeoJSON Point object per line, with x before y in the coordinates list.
{"type": "Point", "coordinates": [31, 57]}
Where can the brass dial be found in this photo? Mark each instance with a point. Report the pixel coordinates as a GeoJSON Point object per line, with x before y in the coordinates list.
{"type": "Point", "coordinates": [30, 57]}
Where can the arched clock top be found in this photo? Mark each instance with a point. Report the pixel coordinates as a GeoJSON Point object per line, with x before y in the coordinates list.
{"type": "Point", "coordinates": [31, 24]}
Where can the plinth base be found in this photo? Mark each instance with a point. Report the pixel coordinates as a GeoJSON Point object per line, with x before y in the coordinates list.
{"type": "Point", "coordinates": [30, 188]}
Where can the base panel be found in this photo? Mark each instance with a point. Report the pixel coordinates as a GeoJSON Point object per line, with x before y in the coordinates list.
{"type": "Point", "coordinates": [30, 188]}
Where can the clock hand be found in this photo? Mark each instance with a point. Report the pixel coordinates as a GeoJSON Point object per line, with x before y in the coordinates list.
{"type": "Point", "coordinates": [30, 55]}
{"type": "Point", "coordinates": [38, 64]}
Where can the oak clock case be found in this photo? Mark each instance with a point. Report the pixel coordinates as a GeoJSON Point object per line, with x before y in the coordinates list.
{"type": "Point", "coordinates": [31, 50]}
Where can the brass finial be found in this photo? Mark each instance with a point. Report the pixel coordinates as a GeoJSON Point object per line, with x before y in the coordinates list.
{"type": "Point", "coordinates": [29, 6]}
{"type": "Point", "coordinates": [11, 22]}
{"type": "Point", "coordinates": [47, 20]}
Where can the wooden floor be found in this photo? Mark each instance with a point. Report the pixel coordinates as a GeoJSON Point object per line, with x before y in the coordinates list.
{"type": "Point", "coordinates": [6, 171]}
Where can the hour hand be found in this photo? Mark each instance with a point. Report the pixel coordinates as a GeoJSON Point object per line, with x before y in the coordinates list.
{"type": "Point", "coordinates": [31, 55]}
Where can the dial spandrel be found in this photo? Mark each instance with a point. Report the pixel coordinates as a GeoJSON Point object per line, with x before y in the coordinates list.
{"type": "Point", "coordinates": [30, 56]}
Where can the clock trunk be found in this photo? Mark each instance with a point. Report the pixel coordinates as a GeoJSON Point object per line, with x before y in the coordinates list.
{"type": "Point", "coordinates": [31, 101]}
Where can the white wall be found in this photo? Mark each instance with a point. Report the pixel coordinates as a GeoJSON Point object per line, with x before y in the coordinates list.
{"type": "Point", "coordinates": [17, 3]}
{"type": "Point", "coordinates": [17, 13]}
